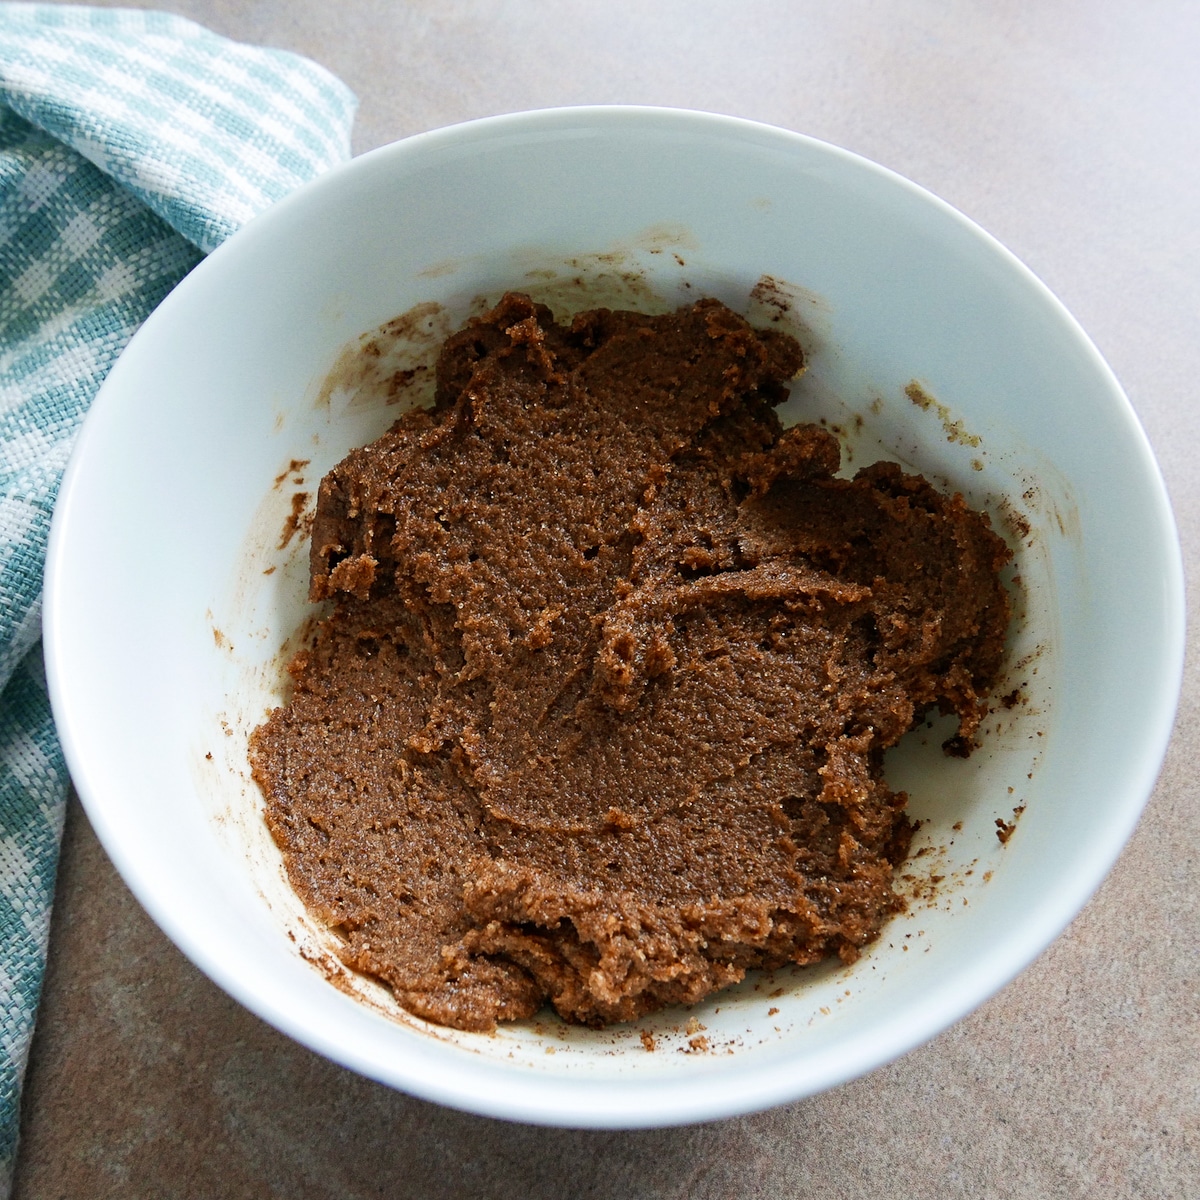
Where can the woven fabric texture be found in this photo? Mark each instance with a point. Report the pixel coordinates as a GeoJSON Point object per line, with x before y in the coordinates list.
{"type": "Point", "coordinates": [131, 143]}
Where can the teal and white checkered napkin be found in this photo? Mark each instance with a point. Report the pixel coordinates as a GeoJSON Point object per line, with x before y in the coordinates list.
{"type": "Point", "coordinates": [130, 143]}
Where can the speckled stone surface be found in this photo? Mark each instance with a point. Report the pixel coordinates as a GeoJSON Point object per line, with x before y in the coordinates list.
{"type": "Point", "coordinates": [1070, 129]}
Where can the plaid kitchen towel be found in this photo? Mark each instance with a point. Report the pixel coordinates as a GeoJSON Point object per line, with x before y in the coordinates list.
{"type": "Point", "coordinates": [130, 144]}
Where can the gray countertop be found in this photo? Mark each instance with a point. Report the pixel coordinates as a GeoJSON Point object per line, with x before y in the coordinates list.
{"type": "Point", "coordinates": [1070, 129]}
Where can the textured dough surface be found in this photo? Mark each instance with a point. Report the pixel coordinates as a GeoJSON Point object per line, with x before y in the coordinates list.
{"type": "Point", "coordinates": [598, 717]}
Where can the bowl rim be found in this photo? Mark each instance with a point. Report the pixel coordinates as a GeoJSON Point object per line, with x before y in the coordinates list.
{"type": "Point", "coordinates": [608, 1103]}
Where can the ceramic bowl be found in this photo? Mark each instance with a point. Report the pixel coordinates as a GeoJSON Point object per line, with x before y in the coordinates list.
{"type": "Point", "coordinates": [176, 576]}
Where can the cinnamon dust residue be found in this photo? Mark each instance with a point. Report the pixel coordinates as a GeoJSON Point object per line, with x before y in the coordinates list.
{"type": "Point", "coordinates": [292, 523]}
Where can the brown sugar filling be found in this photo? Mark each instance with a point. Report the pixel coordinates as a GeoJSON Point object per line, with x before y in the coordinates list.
{"type": "Point", "coordinates": [599, 714]}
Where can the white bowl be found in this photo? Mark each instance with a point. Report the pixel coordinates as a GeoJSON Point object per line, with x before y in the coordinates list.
{"type": "Point", "coordinates": [164, 634]}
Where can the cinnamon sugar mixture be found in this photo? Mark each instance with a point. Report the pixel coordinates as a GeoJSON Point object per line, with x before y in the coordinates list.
{"type": "Point", "coordinates": [598, 717]}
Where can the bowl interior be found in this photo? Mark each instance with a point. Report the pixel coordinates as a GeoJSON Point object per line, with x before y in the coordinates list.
{"type": "Point", "coordinates": [174, 586]}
